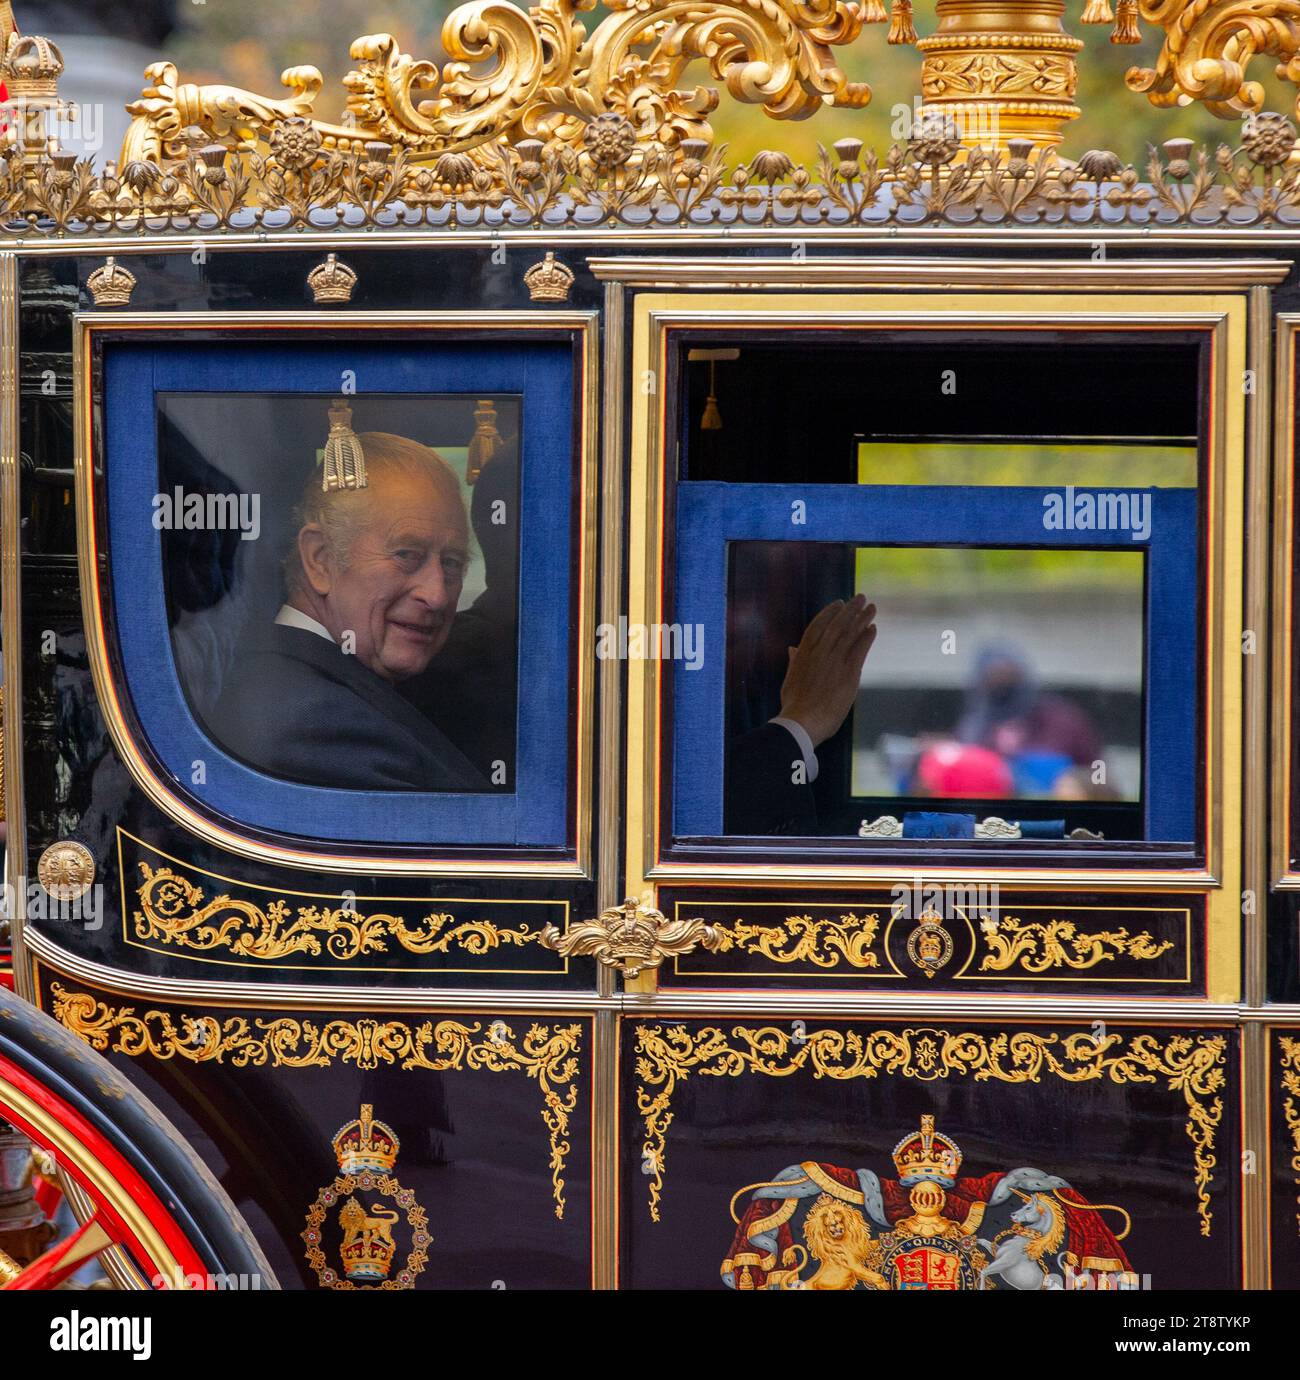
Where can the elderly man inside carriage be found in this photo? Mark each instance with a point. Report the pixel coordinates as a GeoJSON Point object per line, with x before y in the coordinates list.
{"type": "Point", "coordinates": [372, 583]}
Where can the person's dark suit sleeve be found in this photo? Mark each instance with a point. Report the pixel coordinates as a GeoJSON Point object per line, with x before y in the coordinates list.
{"type": "Point", "coordinates": [302, 711]}
{"type": "Point", "coordinates": [761, 794]}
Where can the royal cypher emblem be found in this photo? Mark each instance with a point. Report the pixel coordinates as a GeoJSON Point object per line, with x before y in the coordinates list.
{"type": "Point", "coordinates": [366, 1151]}
{"type": "Point", "coordinates": [930, 1228]}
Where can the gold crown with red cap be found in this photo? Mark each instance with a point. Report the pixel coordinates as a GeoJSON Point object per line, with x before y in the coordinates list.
{"type": "Point", "coordinates": [927, 1154]}
{"type": "Point", "coordinates": [366, 1144]}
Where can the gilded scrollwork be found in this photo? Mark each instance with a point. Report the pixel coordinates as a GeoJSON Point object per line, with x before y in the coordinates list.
{"type": "Point", "coordinates": [513, 74]}
{"type": "Point", "coordinates": [1192, 1065]}
{"type": "Point", "coordinates": [548, 1055]}
{"type": "Point", "coordinates": [544, 116]}
{"type": "Point", "coordinates": [631, 938]}
{"type": "Point", "coordinates": [173, 911]}
{"type": "Point", "coordinates": [168, 107]}
{"type": "Point", "coordinates": [1038, 946]}
{"type": "Point", "coordinates": [822, 941]}
{"type": "Point", "coordinates": [1208, 48]}
{"type": "Point", "coordinates": [1290, 1048]}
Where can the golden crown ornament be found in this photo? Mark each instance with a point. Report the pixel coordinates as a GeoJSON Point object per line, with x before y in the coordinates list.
{"type": "Point", "coordinates": [927, 1154]}
{"type": "Point", "coordinates": [366, 1144]}
{"type": "Point", "coordinates": [332, 282]}
{"type": "Point", "coordinates": [549, 280]}
{"type": "Point", "coordinates": [111, 285]}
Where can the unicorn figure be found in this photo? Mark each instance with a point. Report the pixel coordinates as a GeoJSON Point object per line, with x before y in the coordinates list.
{"type": "Point", "coordinates": [1037, 1230]}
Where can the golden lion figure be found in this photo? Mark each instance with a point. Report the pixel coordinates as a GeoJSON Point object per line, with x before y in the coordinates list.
{"type": "Point", "coordinates": [839, 1241]}
{"type": "Point", "coordinates": [370, 1231]}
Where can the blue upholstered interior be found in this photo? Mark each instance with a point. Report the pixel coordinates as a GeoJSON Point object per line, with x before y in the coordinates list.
{"type": "Point", "coordinates": [709, 515]}
{"type": "Point", "coordinates": [135, 374]}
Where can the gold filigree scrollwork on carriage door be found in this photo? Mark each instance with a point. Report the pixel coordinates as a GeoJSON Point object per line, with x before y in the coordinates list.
{"type": "Point", "coordinates": [549, 1055]}
{"type": "Point", "coordinates": [1191, 1066]}
{"type": "Point", "coordinates": [176, 908]}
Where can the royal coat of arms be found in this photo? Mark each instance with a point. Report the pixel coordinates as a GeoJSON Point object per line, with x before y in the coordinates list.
{"type": "Point", "coordinates": [366, 1150]}
{"type": "Point", "coordinates": [929, 1228]}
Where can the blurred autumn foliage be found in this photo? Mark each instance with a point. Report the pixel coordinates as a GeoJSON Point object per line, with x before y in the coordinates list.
{"type": "Point", "coordinates": [249, 42]}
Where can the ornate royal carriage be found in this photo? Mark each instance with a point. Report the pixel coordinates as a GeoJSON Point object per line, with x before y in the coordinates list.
{"type": "Point", "coordinates": [413, 1033]}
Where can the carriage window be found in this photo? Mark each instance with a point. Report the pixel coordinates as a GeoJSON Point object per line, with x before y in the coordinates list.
{"type": "Point", "coordinates": [343, 605]}
{"type": "Point", "coordinates": [999, 682]}
{"type": "Point", "coordinates": [967, 634]}
{"type": "Point", "coordinates": [321, 547]}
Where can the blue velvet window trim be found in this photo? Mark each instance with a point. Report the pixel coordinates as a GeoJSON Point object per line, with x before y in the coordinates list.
{"type": "Point", "coordinates": [535, 815]}
{"type": "Point", "coordinates": [709, 515]}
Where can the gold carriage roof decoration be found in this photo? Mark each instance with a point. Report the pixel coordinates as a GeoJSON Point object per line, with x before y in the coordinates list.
{"type": "Point", "coordinates": [566, 116]}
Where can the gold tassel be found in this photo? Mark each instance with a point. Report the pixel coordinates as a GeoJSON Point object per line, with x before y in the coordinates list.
{"type": "Point", "coordinates": [1097, 12]}
{"type": "Point", "coordinates": [1126, 23]}
{"type": "Point", "coordinates": [873, 12]}
{"type": "Point", "coordinates": [344, 461]}
{"type": "Point", "coordinates": [901, 28]}
{"type": "Point", "coordinates": [485, 442]}
{"type": "Point", "coordinates": [712, 418]}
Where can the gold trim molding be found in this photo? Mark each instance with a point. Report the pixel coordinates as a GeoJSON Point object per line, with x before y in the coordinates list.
{"type": "Point", "coordinates": [47, 962]}
{"type": "Point", "coordinates": [547, 1055]}
{"type": "Point", "coordinates": [1019, 275]}
{"type": "Point", "coordinates": [1192, 1065]}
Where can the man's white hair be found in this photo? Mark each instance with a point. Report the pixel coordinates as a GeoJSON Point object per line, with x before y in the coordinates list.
{"type": "Point", "coordinates": [342, 513]}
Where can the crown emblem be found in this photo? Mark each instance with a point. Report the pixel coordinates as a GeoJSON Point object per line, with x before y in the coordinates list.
{"type": "Point", "coordinates": [927, 1155]}
{"type": "Point", "coordinates": [32, 68]}
{"type": "Point", "coordinates": [929, 945]}
{"type": "Point", "coordinates": [332, 281]}
{"type": "Point", "coordinates": [366, 1144]}
{"type": "Point", "coordinates": [111, 285]}
{"type": "Point", "coordinates": [549, 280]}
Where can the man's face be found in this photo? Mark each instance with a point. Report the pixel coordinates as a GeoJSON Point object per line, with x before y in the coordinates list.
{"type": "Point", "coordinates": [398, 592]}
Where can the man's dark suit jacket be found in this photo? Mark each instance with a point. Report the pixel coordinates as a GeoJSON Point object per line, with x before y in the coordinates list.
{"type": "Point", "coordinates": [761, 796]}
{"type": "Point", "coordinates": [294, 706]}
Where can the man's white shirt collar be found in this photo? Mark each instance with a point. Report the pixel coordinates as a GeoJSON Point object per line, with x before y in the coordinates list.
{"type": "Point", "coordinates": [290, 617]}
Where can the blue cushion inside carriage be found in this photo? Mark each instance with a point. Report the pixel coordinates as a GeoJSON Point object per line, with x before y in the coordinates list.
{"type": "Point", "coordinates": [135, 377]}
{"type": "Point", "coordinates": [710, 515]}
